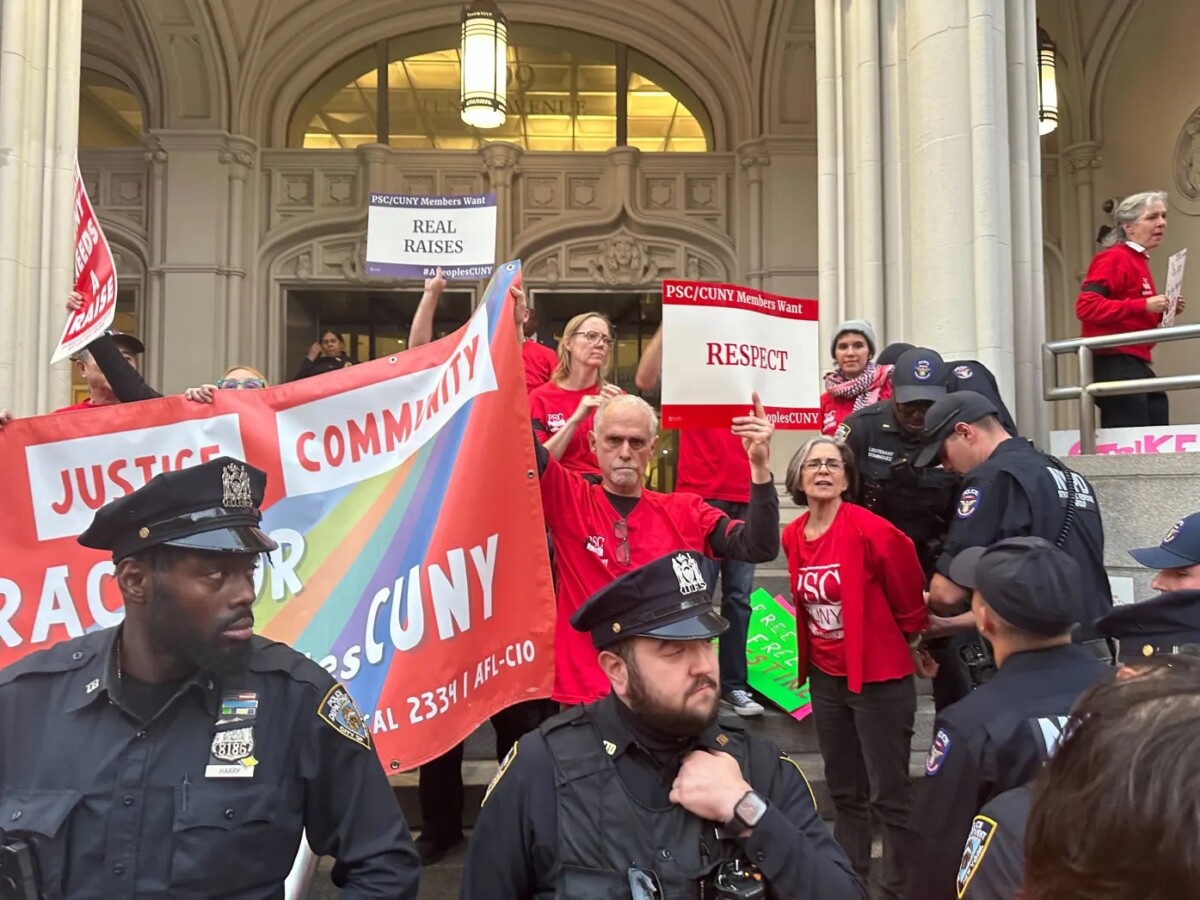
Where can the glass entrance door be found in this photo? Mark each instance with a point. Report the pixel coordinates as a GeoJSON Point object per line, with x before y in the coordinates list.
{"type": "Point", "coordinates": [371, 323]}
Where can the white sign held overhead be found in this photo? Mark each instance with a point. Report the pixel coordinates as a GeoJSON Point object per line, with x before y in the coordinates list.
{"type": "Point", "coordinates": [413, 236]}
{"type": "Point", "coordinates": [722, 342]}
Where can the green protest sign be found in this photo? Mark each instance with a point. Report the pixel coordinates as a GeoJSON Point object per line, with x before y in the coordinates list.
{"type": "Point", "coordinates": [771, 654]}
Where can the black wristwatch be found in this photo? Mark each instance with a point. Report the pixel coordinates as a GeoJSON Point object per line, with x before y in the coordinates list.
{"type": "Point", "coordinates": [748, 812]}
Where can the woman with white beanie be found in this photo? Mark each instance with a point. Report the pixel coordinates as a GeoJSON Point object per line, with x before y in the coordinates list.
{"type": "Point", "coordinates": [857, 381]}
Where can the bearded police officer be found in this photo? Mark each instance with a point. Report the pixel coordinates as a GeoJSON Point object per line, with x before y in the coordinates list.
{"type": "Point", "coordinates": [1011, 489]}
{"type": "Point", "coordinates": [177, 754]}
{"type": "Point", "coordinates": [1026, 597]}
{"type": "Point", "coordinates": [644, 793]}
{"type": "Point", "coordinates": [1148, 634]}
{"type": "Point", "coordinates": [885, 438]}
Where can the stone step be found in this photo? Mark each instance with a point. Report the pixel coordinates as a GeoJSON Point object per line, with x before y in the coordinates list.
{"type": "Point", "coordinates": [797, 739]}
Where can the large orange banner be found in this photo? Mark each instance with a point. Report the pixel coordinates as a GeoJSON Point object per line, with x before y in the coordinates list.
{"type": "Point", "coordinates": [404, 496]}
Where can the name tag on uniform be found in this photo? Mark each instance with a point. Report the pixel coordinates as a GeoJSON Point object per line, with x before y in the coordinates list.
{"type": "Point", "coordinates": [232, 752]}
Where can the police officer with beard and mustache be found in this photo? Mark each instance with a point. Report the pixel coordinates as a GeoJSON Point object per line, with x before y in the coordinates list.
{"type": "Point", "coordinates": [177, 754]}
{"type": "Point", "coordinates": [644, 794]}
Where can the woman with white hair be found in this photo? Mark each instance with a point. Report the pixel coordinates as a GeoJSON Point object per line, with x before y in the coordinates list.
{"type": "Point", "coordinates": [1118, 295]}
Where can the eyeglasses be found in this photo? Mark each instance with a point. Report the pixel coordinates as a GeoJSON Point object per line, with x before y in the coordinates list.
{"type": "Point", "coordinates": [643, 885]}
{"type": "Point", "coordinates": [241, 384]}
{"type": "Point", "coordinates": [595, 337]}
{"type": "Point", "coordinates": [814, 465]}
{"type": "Point", "coordinates": [621, 530]}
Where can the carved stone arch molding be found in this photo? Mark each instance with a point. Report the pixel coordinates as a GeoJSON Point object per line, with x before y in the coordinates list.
{"type": "Point", "coordinates": [1186, 166]}
{"type": "Point", "coordinates": [622, 259]}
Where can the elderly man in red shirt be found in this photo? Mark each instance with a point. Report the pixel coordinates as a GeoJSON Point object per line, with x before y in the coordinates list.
{"type": "Point", "coordinates": [100, 392]}
{"type": "Point", "coordinates": [1118, 295]}
{"type": "Point", "coordinates": [602, 531]}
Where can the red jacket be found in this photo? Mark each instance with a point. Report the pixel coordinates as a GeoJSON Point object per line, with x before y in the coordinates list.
{"type": "Point", "coordinates": [882, 589]}
{"type": "Point", "coordinates": [1113, 298]}
{"type": "Point", "coordinates": [835, 410]}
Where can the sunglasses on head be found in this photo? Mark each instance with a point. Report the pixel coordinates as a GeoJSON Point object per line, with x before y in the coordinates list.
{"type": "Point", "coordinates": [241, 384]}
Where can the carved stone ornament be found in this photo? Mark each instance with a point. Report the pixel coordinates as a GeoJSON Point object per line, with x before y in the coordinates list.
{"type": "Point", "coordinates": [304, 266]}
{"type": "Point", "coordinates": [341, 189]}
{"type": "Point", "coordinates": [1187, 158]}
{"type": "Point", "coordinates": [353, 265]}
{"type": "Point", "coordinates": [551, 275]}
{"type": "Point", "coordinates": [623, 260]}
{"type": "Point", "coordinates": [583, 194]}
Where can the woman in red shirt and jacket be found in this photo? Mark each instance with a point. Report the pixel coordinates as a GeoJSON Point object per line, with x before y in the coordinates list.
{"type": "Point", "coordinates": [857, 381]}
{"type": "Point", "coordinates": [860, 610]}
{"type": "Point", "coordinates": [1118, 295]}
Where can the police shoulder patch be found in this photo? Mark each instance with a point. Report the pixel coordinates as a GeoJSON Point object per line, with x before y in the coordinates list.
{"type": "Point", "coordinates": [962, 373]}
{"type": "Point", "coordinates": [968, 502]}
{"type": "Point", "coordinates": [937, 752]}
{"type": "Point", "coordinates": [842, 432]}
{"type": "Point", "coordinates": [504, 764]}
{"type": "Point", "coordinates": [982, 829]}
{"type": "Point", "coordinates": [340, 713]}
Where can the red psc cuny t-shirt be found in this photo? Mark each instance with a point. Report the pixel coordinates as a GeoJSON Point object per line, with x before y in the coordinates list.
{"type": "Point", "coordinates": [539, 361]}
{"type": "Point", "coordinates": [551, 406]}
{"type": "Point", "coordinates": [817, 590]}
{"type": "Point", "coordinates": [713, 464]}
{"type": "Point", "coordinates": [582, 523]}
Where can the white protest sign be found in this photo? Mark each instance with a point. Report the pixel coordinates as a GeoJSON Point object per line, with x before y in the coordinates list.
{"type": "Point", "coordinates": [1122, 590]}
{"type": "Point", "coordinates": [1174, 289]}
{"type": "Point", "coordinates": [722, 342]}
{"type": "Point", "coordinates": [95, 279]}
{"type": "Point", "coordinates": [1150, 439]}
{"type": "Point", "coordinates": [412, 236]}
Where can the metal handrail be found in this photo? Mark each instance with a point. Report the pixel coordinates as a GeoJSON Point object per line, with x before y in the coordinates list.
{"type": "Point", "coordinates": [1087, 390]}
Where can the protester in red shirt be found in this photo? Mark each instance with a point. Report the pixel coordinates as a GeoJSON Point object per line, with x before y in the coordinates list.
{"type": "Point", "coordinates": [604, 530]}
{"type": "Point", "coordinates": [1118, 295]}
{"type": "Point", "coordinates": [860, 610]}
{"type": "Point", "coordinates": [562, 408]}
{"type": "Point", "coordinates": [100, 392]}
{"type": "Point", "coordinates": [712, 463]}
{"type": "Point", "coordinates": [540, 361]}
{"type": "Point", "coordinates": [858, 381]}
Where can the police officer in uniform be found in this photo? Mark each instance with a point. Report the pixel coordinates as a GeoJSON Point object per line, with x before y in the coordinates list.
{"type": "Point", "coordinates": [1026, 598]}
{"type": "Point", "coordinates": [1010, 489]}
{"type": "Point", "coordinates": [644, 793]}
{"type": "Point", "coordinates": [972, 375]}
{"type": "Point", "coordinates": [885, 438]}
{"type": "Point", "coordinates": [177, 754]}
{"type": "Point", "coordinates": [993, 861]}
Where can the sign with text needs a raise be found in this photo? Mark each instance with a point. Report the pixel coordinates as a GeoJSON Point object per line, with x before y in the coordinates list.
{"type": "Point", "coordinates": [95, 279]}
{"type": "Point", "coordinates": [412, 236]}
{"type": "Point", "coordinates": [722, 342]}
{"type": "Point", "coordinates": [417, 577]}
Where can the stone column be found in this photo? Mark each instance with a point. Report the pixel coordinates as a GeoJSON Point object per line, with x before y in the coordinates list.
{"type": "Point", "coordinates": [502, 161]}
{"type": "Point", "coordinates": [39, 127]}
{"type": "Point", "coordinates": [195, 227]}
{"type": "Point", "coordinates": [754, 157]}
{"type": "Point", "coordinates": [1082, 161]}
{"type": "Point", "coordinates": [156, 160]}
{"type": "Point", "coordinates": [240, 327]}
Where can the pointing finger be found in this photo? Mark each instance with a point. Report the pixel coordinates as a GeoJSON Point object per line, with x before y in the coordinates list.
{"type": "Point", "coordinates": [758, 407]}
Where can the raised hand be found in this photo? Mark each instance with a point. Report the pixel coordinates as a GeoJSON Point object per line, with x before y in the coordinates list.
{"type": "Point", "coordinates": [755, 431]}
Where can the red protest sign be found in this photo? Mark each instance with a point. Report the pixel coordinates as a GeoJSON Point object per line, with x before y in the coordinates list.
{"type": "Point", "coordinates": [95, 279]}
{"type": "Point", "coordinates": [412, 572]}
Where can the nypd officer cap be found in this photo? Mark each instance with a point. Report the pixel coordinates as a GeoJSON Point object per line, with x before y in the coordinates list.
{"type": "Point", "coordinates": [666, 599]}
{"type": "Point", "coordinates": [211, 507]}
{"type": "Point", "coordinates": [1154, 627]}
{"type": "Point", "coordinates": [919, 374]}
{"type": "Point", "coordinates": [1029, 582]}
{"type": "Point", "coordinates": [960, 407]}
{"type": "Point", "coordinates": [1180, 547]}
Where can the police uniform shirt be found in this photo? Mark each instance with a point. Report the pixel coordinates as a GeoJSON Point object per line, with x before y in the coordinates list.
{"type": "Point", "coordinates": [920, 502]}
{"type": "Point", "coordinates": [994, 505]}
{"type": "Point", "coordinates": [993, 740]}
{"type": "Point", "coordinates": [993, 860]}
{"type": "Point", "coordinates": [514, 847]}
{"type": "Point", "coordinates": [208, 796]}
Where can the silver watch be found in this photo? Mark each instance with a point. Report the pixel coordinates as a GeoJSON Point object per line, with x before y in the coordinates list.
{"type": "Point", "coordinates": [748, 811]}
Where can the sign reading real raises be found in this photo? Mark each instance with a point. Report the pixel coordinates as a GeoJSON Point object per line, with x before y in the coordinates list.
{"type": "Point", "coordinates": [413, 236]}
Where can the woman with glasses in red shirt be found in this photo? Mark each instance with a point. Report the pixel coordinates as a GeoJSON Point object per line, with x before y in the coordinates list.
{"type": "Point", "coordinates": [860, 610]}
{"type": "Point", "coordinates": [563, 408]}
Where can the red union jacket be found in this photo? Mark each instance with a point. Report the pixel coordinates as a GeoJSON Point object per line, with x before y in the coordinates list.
{"type": "Point", "coordinates": [881, 589]}
{"type": "Point", "coordinates": [1113, 298]}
